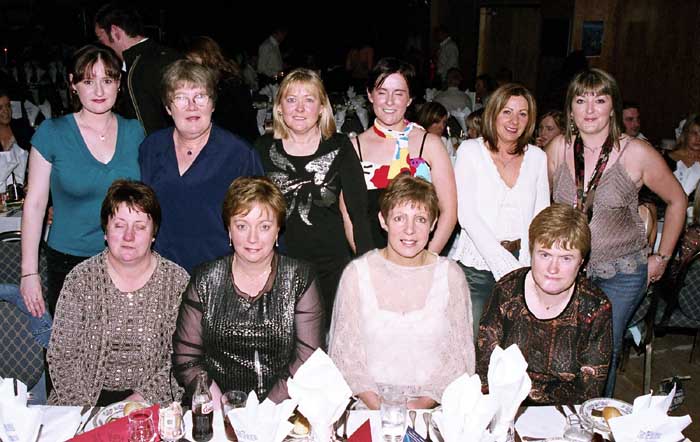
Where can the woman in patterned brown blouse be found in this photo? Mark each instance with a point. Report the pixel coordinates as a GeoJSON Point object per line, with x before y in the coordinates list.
{"type": "Point", "coordinates": [560, 321]}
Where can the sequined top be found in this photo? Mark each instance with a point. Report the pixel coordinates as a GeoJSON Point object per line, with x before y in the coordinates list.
{"type": "Point", "coordinates": [104, 339]}
{"type": "Point", "coordinates": [567, 356]}
{"type": "Point", "coordinates": [220, 329]}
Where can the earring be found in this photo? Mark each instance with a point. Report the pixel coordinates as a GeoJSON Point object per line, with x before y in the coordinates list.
{"type": "Point", "coordinates": [277, 241]}
{"type": "Point", "coordinates": [73, 91]}
{"type": "Point", "coordinates": [573, 126]}
{"type": "Point", "coordinates": [230, 243]}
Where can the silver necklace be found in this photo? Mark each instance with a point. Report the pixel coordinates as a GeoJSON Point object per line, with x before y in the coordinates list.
{"type": "Point", "coordinates": [103, 135]}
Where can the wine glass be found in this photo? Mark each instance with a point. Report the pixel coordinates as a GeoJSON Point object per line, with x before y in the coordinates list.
{"type": "Point", "coordinates": [141, 428]}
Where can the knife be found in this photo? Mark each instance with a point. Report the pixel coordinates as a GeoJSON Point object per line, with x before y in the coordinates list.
{"type": "Point", "coordinates": [92, 414]}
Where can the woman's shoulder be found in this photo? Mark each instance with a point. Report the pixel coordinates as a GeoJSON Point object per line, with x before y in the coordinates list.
{"type": "Point", "coordinates": [511, 281]}
{"type": "Point", "coordinates": [50, 126]}
{"type": "Point", "coordinates": [231, 143]}
{"type": "Point", "coordinates": [471, 148]}
{"type": "Point", "coordinates": [160, 139]}
{"type": "Point", "coordinates": [172, 270]}
{"type": "Point", "coordinates": [297, 266]}
{"type": "Point", "coordinates": [265, 142]}
{"type": "Point", "coordinates": [212, 268]}
{"type": "Point", "coordinates": [535, 152]}
{"type": "Point", "coordinates": [87, 269]}
{"type": "Point", "coordinates": [591, 298]}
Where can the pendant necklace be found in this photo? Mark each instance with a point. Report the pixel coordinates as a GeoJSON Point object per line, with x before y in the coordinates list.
{"type": "Point", "coordinates": [102, 136]}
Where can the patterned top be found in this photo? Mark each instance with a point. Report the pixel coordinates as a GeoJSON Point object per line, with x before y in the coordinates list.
{"type": "Point", "coordinates": [378, 176]}
{"type": "Point", "coordinates": [104, 339]}
{"type": "Point", "coordinates": [567, 356]}
{"type": "Point", "coordinates": [688, 245]}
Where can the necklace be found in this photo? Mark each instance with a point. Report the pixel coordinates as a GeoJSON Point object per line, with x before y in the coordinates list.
{"type": "Point", "coordinates": [504, 164]}
{"type": "Point", "coordinates": [257, 278]}
{"type": "Point", "coordinates": [103, 135]}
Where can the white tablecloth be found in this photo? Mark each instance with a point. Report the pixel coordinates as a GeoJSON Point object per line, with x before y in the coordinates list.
{"type": "Point", "coordinates": [12, 222]}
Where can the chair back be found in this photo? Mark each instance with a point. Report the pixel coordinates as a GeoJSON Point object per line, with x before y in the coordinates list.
{"type": "Point", "coordinates": [11, 259]}
{"type": "Point", "coordinates": [21, 356]}
{"type": "Point", "coordinates": [689, 288]}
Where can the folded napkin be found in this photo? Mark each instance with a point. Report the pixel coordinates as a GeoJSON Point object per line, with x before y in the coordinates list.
{"type": "Point", "coordinates": [363, 115]}
{"type": "Point", "coordinates": [260, 118]}
{"type": "Point", "coordinates": [430, 94]}
{"type": "Point", "coordinates": [264, 421]}
{"type": "Point", "coordinates": [18, 423]}
{"type": "Point", "coordinates": [509, 384]}
{"type": "Point", "coordinates": [679, 129]}
{"type": "Point", "coordinates": [466, 412]}
{"type": "Point", "coordinates": [362, 434]}
{"type": "Point", "coordinates": [351, 92]}
{"type": "Point", "coordinates": [472, 98]}
{"type": "Point", "coordinates": [270, 91]}
{"type": "Point", "coordinates": [649, 421]}
{"type": "Point", "coordinates": [321, 391]}
{"type": "Point", "coordinates": [541, 422]}
{"type": "Point", "coordinates": [119, 426]}
{"type": "Point", "coordinates": [339, 118]}
{"type": "Point", "coordinates": [461, 117]}
{"type": "Point", "coordinates": [687, 176]}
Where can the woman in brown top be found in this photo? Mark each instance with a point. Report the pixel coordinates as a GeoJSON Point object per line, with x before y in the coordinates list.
{"type": "Point", "coordinates": [599, 170]}
{"type": "Point", "coordinates": [560, 321]}
{"type": "Point", "coordinates": [115, 317]}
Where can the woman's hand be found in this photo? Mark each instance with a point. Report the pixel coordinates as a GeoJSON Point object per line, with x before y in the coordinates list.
{"type": "Point", "coordinates": [30, 288]}
{"type": "Point", "coordinates": [371, 399]}
{"type": "Point", "coordinates": [215, 394]}
{"type": "Point", "coordinates": [135, 397]}
{"type": "Point", "coordinates": [421, 403]}
{"type": "Point", "coordinates": [656, 266]}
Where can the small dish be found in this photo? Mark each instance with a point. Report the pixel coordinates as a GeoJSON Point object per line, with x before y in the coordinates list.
{"type": "Point", "coordinates": [597, 422]}
{"type": "Point", "coordinates": [112, 412]}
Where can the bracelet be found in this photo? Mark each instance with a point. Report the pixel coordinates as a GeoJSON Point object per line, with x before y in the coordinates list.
{"type": "Point", "coordinates": [662, 258]}
{"type": "Point", "coordinates": [29, 274]}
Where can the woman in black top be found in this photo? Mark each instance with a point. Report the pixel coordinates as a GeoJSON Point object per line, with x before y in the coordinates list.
{"type": "Point", "coordinates": [321, 179]}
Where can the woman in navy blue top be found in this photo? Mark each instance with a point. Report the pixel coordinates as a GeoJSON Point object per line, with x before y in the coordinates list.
{"type": "Point", "coordinates": [191, 166]}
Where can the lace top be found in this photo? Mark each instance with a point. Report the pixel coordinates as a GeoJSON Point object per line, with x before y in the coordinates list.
{"type": "Point", "coordinates": [220, 329]}
{"type": "Point", "coordinates": [406, 326]}
{"type": "Point", "coordinates": [104, 339]}
{"type": "Point", "coordinates": [618, 239]}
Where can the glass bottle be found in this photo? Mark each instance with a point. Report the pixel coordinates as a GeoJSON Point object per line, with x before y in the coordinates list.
{"type": "Point", "coordinates": [202, 410]}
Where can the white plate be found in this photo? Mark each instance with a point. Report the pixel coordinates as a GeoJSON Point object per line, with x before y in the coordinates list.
{"type": "Point", "coordinates": [598, 423]}
{"type": "Point", "coordinates": [114, 411]}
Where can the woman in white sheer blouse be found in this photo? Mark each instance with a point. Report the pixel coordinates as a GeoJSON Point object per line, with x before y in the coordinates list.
{"type": "Point", "coordinates": [402, 315]}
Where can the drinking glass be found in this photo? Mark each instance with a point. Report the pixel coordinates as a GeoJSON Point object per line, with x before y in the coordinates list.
{"type": "Point", "coordinates": [141, 428]}
{"type": "Point", "coordinates": [392, 409]}
{"type": "Point", "coordinates": [576, 430]}
{"type": "Point", "coordinates": [229, 401]}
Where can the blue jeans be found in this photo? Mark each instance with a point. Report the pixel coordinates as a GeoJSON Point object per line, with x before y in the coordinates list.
{"type": "Point", "coordinates": [40, 327]}
{"type": "Point", "coordinates": [625, 291]}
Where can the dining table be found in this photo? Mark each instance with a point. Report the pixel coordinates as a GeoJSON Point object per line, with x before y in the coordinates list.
{"type": "Point", "coordinates": [531, 424]}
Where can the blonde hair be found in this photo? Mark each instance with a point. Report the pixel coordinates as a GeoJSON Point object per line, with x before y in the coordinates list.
{"type": "Point", "coordinates": [311, 80]}
{"type": "Point", "coordinates": [561, 225]}
{"type": "Point", "coordinates": [497, 101]}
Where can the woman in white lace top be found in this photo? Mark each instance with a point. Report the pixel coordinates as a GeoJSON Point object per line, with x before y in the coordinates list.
{"type": "Point", "coordinates": [402, 315]}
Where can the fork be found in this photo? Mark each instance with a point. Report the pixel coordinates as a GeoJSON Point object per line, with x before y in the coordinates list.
{"type": "Point", "coordinates": [80, 422]}
{"type": "Point", "coordinates": [427, 418]}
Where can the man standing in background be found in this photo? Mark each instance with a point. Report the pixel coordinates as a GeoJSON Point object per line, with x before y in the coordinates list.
{"type": "Point", "coordinates": [270, 63]}
{"type": "Point", "coordinates": [122, 29]}
{"type": "Point", "coordinates": [447, 53]}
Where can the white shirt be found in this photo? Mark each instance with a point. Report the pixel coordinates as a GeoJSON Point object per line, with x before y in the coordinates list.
{"type": "Point", "coordinates": [453, 99]}
{"type": "Point", "coordinates": [13, 160]}
{"type": "Point", "coordinates": [480, 193]}
{"type": "Point", "coordinates": [270, 58]}
{"type": "Point", "coordinates": [448, 57]}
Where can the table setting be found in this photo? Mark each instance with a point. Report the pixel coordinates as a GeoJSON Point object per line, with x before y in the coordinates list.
{"type": "Point", "coordinates": [321, 409]}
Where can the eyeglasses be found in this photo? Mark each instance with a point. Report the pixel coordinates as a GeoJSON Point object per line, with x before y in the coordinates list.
{"type": "Point", "coordinates": [182, 101]}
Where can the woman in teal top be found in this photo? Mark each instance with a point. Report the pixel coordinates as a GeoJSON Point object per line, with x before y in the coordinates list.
{"type": "Point", "coordinates": [76, 157]}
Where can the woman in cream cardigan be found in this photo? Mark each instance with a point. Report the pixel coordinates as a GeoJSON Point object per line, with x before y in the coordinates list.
{"type": "Point", "coordinates": [501, 185]}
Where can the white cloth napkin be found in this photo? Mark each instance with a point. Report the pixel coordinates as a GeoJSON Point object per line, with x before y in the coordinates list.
{"type": "Point", "coordinates": [687, 176]}
{"type": "Point", "coordinates": [339, 118]}
{"type": "Point", "coordinates": [461, 117]}
{"type": "Point", "coordinates": [351, 92]}
{"type": "Point", "coordinates": [321, 391]}
{"type": "Point", "coordinates": [430, 94]}
{"type": "Point", "coordinates": [649, 421]}
{"type": "Point", "coordinates": [541, 422]}
{"type": "Point", "coordinates": [264, 421]}
{"type": "Point", "coordinates": [679, 129]}
{"type": "Point", "coordinates": [60, 423]}
{"type": "Point", "coordinates": [509, 384]}
{"type": "Point", "coordinates": [17, 422]}
{"type": "Point", "coordinates": [472, 98]}
{"type": "Point", "coordinates": [466, 412]}
{"type": "Point", "coordinates": [270, 91]}
{"type": "Point", "coordinates": [261, 117]}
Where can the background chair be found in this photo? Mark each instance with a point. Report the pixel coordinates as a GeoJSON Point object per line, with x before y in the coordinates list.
{"type": "Point", "coordinates": [21, 357]}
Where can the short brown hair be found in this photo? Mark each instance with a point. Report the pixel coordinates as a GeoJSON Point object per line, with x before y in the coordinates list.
{"type": "Point", "coordinates": [409, 189]}
{"type": "Point", "coordinates": [137, 196]}
{"type": "Point", "coordinates": [387, 66]}
{"type": "Point", "coordinates": [430, 113]}
{"type": "Point", "coordinates": [475, 121]}
{"type": "Point", "coordinates": [497, 101]}
{"type": "Point", "coordinates": [561, 225]}
{"type": "Point", "coordinates": [182, 73]}
{"type": "Point", "coordinates": [245, 192]}
{"type": "Point", "coordinates": [83, 61]}
{"type": "Point", "coordinates": [311, 80]}
{"type": "Point", "coordinates": [598, 82]}
{"type": "Point", "coordinates": [558, 118]}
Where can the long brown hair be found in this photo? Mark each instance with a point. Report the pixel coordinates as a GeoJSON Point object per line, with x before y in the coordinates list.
{"type": "Point", "coordinates": [206, 51]}
{"type": "Point", "coordinates": [497, 101]}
